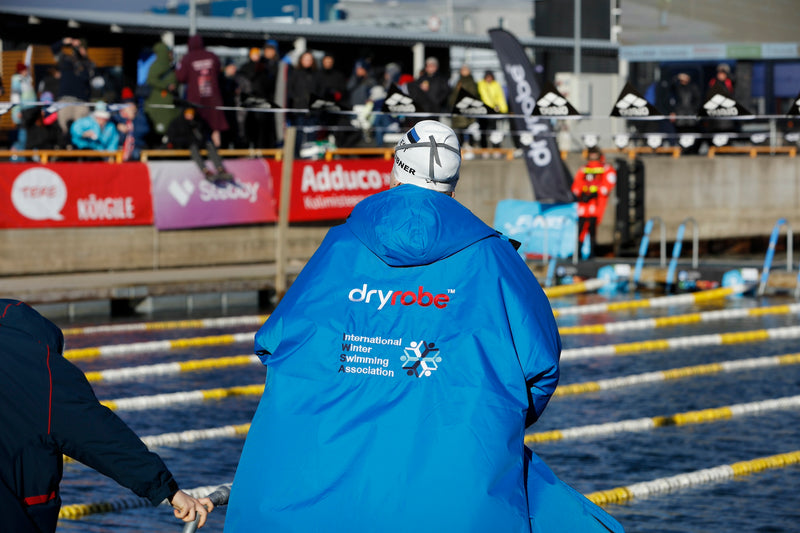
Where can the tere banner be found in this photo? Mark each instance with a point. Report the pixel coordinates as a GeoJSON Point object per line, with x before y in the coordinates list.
{"type": "Point", "coordinates": [74, 194]}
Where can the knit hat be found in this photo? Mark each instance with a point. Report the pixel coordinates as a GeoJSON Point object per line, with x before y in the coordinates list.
{"type": "Point", "coordinates": [127, 95]}
{"type": "Point", "coordinates": [21, 67]}
{"type": "Point", "coordinates": [101, 110]}
{"type": "Point", "coordinates": [428, 156]}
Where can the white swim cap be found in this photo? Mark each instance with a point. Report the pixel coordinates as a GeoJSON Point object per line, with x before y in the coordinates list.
{"type": "Point", "coordinates": [428, 156]}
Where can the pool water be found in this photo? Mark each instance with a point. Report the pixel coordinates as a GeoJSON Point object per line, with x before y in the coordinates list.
{"type": "Point", "coordinates": [762, 502]}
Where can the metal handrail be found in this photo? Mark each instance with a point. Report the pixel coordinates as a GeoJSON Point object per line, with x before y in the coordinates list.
{"type": "Point", "coordinates": [676, 250]}
{"type": "Point", "coordinates": [773, 240]}
{"type": "Point", "coordinates": [643, 246]}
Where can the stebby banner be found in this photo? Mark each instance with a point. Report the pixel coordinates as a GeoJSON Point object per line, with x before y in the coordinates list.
{"type": "Point", "coordinates": [74, 195]}
{"type": "Point", "coordinates": [328, 190]}
{"type": "Point", "coordinates": [183, 198]}
{"type": "Point", "coordinates": [549, 176]}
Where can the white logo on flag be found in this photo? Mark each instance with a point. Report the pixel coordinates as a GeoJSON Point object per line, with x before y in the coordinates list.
{"type": "Point", "coordinates": [551, 99]}
{"type": "Point", "coordinates": [470, 106]}
{"type": "Point", "coordinates": [399, 103]}
{"type": "Point", "coordinates": [631, 100]}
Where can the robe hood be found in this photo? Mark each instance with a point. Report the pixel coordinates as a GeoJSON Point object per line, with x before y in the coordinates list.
{"type": "Point", "coordinates": [436, 226]}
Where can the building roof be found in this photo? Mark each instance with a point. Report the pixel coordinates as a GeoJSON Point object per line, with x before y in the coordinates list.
{"type": "Point", "coordinates": [235, 28]}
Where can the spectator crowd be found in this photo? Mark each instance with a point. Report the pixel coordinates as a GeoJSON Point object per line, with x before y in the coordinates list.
{"type": "Point", "coordinates": [235, 103]}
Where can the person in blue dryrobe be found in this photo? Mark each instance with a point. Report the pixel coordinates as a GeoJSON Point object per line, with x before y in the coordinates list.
{"type": "Point", "coordinates": [403, 366]}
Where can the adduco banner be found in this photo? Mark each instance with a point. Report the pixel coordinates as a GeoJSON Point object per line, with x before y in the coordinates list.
{"type": "Point", "coordinates": [328, 190]}
{"type": "Point", "coordinates": [549, 176]}
{"type": "Point", "coordinates": [74, 195]}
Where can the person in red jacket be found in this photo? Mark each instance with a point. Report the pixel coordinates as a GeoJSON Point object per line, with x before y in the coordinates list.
{"type": "Point", "coordinates": [592, 184]}
{"type": "Point", "coordinates": [199, 69]}
{"type": "Point", "coordinates": [48, 408]}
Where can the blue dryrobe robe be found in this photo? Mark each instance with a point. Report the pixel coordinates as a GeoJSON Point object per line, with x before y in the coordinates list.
{"type": "Point", "coordinates": [402, 365]}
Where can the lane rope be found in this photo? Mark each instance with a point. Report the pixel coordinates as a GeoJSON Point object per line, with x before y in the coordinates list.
{"type": "Point", "coordinates": [701, 416]}
{"type": "Point", "coordinates": [617, 495]}
{"type": "Point", "coordinates": [678, 320]}
{"type": "Point", "coordinates": [690, 479]}
{"type": "Point", "coordinates": [660, 301]}
{"type": "Point", "coordinates": [117, 375]}
{"type": "Point", "coordinates": [223, 322]}
{"type": "Point", "coordinates": [188, 436]}
{"type": "Point", "coordinates": [115, 350]}
{"type": "Point", "coordinates": [575, 288]}
{"type": "Point", "coordinates": [139, 403]}
{"type": "Point", "coordinates": [655, 345]}
{"type": "Point", "coordinates": [676, 373]}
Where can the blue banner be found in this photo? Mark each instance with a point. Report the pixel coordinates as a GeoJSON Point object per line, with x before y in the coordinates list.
{"type": "Point", "coordinates": [539, 227]}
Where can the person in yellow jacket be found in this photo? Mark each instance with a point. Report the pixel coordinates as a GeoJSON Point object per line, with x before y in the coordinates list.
{"type": "Point", "coordinates": [491, 94]}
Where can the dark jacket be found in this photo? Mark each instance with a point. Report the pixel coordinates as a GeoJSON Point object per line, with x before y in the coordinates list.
{"type": "Point", "coordinates": [302, 83]}
{"type": "Point", "coordinates": [199, 69]}
{"type": "Point", "coordinates": [48, 408]}
{"type": "Point", "coordinates": [183, 133]}
{"type": "Point", "coordinates": [76, 72]}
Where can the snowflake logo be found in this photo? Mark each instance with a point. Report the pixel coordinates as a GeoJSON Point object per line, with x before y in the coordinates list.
{"type": "Point", "coordinates": [421, 359]}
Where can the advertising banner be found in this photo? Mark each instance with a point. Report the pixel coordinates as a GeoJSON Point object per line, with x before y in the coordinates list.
{"type": "Point", "coordinates": [328, 190]}
{"type": "Point", "coordinates": [183, 198]}
{"type": "Point", "coordinates": [74, 195]}
{"type": "Point", "coordinates": [539, 227]}
{"type": "Point", "coordinates": [549, 176]}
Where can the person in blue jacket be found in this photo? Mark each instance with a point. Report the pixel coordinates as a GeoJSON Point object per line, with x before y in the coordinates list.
{"type": "Point", "coordinates": [95, 131]}
{"type": "Point", "coordinates": [403, 366]}
{"type": "Point", "coordinates": [48, 408]}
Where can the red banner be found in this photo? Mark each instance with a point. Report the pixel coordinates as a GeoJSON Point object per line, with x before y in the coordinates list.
{"type": "Point", "coordinates": [328, 190]}
{"type": "Point", "coordinates": [74, 194]}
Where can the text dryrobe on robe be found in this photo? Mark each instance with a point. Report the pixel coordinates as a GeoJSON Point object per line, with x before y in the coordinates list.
{"type": "Point", "coordinates": [402, 364]}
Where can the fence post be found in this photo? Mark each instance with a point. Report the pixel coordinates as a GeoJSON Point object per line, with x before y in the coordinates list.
{"type": "Point", "coordinates": [283, 212]}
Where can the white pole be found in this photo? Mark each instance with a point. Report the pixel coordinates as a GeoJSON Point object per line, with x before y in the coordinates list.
{"type": "Point", "coordinates": [192, 17]}
{"type": "Point", "coordinates": [576, 60]}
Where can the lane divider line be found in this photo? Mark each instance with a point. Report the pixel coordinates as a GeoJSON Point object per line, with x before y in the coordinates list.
{"type": "Point", "coordinates": [678, 419]}
{"type": "Point", "coordinates": [691, 479]}
{"type": "Point", "coordinates": [115, 350]}
{"type": "Point", "coordinates": [223, 322]}
{"type": "Point", "coordinates": [189, 436]}
{"type": "Point", "coordinates": [117, 375]}
{"type": "Point", "coordinates": [676, 373]}
{"type": "Point", "coordinates": [654, 345]}
{"type": "Point", "coordinates": [678, 320]}
{"type": "Point", "coordinates": [617, 495]}
{"type": "Point", "coordinates": [139, 403]}
{"type": "Point", "coordinates": [575, 288]}
{"type": "Point", "coordinates": [660, 301]}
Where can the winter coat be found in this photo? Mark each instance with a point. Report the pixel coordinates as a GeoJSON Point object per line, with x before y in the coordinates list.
{"type": "Point", "coordinates": [48, 408]}
{"type": "Point", "coordinates": [468, 84]}
{"type": "Point", "coordinates": [492, 95]}
{"type": "Point", "coordinates": [302, 83]}
{"type": "Point", "coordinates": [106, 138]}
{"type": "Point", "coordinates": [199, 69]}
{"type": "Point", "coordinates": [76, 72]}
{"type": "Point", "coordinates": [402, 366]}
{"type": "Point", "coordinates": [163, 83]}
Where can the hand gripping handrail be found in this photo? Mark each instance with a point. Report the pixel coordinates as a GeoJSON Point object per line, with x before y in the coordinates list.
{"type": "Point", "coordinates": [218, 497]}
